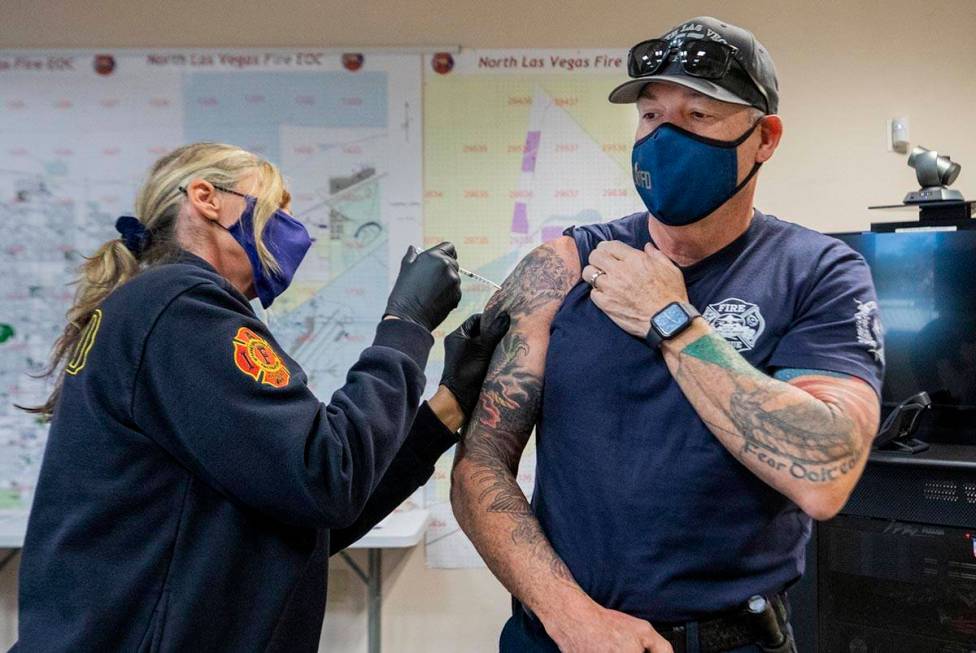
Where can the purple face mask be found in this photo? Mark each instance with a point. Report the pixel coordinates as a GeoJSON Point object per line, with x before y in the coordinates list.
{"type": "Point", "coordinates": [284, 236]}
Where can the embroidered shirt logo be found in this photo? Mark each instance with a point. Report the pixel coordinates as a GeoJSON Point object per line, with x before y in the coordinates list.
{"type": "Point", "coordinates": [739, 322]}
{"type": "Point", "coordinates": [870, 331]}
{"type": "Point", "coordinates": [87, 340]}
{"type": "Point", "coordinates": [255, 357]}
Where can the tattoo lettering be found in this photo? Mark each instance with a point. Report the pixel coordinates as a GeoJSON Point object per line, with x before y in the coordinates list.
{"type": "Point", "coordinates": [807, 440]}
{"type": "Point", "coordinates": [798, 470]}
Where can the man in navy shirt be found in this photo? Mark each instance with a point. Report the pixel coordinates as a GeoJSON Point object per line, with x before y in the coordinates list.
{"type": "Point", "coordinates": [703, 378]}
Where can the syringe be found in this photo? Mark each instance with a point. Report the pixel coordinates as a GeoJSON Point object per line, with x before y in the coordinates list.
{"type": "Point", "coordinates": [478, 277]}
{"type": "Point", "coordinates": [472, 275]}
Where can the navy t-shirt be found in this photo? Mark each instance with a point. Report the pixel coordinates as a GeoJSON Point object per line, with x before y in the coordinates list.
{"type": "Point", "coordinates": [653, 516]}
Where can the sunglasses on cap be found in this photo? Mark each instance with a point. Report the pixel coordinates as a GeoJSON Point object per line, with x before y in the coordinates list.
{"type": "Point", "coordinates": [701, 58]}
{"type": "Point", "coordinates": [698, 57]}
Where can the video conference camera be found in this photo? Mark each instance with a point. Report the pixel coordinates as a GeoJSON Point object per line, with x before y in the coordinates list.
{"type": "Point", "coordinates": [935, 172]}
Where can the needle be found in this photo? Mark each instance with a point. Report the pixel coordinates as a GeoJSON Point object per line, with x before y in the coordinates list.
{"type": "Point", "coordinates": [478, 277]}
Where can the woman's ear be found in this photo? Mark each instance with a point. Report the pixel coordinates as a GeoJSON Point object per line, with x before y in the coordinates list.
{"type": "Point", "coordinates": [204, 198]}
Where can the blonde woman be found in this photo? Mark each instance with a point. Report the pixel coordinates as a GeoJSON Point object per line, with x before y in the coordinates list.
{"type": "Point", "coordinates": [193, 487]}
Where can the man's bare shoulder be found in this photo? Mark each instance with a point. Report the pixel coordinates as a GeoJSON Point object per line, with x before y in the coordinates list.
{"type": "Point", "coordinates": [565, 248]}
{"type": "Point", "coordinates": [539, 282]}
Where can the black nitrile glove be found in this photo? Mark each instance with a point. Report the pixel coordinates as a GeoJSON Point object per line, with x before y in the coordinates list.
{"type": "Point", "coordinates": [428, 286]}
{"type": "Point", "coordinates": [467, 353]}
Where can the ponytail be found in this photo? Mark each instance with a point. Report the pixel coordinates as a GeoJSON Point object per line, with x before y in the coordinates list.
{"type": "Point", "coordinates": [111, 266]}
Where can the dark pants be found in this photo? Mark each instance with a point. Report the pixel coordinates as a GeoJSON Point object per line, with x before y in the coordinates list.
{"type": "Point", "coordinates": [523, 634]}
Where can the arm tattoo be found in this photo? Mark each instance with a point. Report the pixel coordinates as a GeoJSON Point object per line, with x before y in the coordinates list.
{"type": "Point", "coordinates": [790, 373]}
{"type": "Point", "coordinates": [539, 279]}
{"type": "Point", "coordinates": [510, 396]}
{"type": "Point", "coordinates": [510, 401]}
{"type": "Point", "coordinates": [808, 439]}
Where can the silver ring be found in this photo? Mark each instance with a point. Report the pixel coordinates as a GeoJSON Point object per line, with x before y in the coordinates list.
{"type": "Point", "coordinates": [595, 276]}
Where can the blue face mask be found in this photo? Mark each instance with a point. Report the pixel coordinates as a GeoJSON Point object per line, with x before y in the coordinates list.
{"type": "Point", "coordinates": [284, 236]}
{"type": "Point", "coordinates": [682, 177]}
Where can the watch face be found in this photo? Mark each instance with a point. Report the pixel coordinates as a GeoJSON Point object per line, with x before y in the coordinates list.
{"type": "Point", "coordinates": [670, 320]}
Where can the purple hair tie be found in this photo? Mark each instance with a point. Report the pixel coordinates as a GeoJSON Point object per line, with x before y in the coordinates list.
{"type": "Point", "coordinates": [134, 234]}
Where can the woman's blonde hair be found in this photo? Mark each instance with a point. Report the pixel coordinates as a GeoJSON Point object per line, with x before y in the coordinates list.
{"type": "Point", "coordinates": [158, 206]}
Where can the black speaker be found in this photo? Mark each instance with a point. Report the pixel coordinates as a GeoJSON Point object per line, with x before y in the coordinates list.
{"type": "Point", "coordinates": [895, 572]}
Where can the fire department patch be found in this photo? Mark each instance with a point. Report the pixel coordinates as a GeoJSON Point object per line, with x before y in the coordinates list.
{"type": "Point", "coordinates": [255, 357]}
{"type": "Point", "coordinates": [739, 322]}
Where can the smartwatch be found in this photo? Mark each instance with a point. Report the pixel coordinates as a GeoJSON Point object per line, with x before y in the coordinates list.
{"type": "Point", "coordinates": [669, 322]}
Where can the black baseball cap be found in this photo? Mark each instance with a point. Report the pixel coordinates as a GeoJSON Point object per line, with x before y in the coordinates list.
{"type": "Point", "coordinates": [750, 80]}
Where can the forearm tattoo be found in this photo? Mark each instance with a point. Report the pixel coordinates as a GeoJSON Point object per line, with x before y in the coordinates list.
{"type": "Point", "coordinates": [510, 401]}
{"type": "Point", "coordinates": [788, 432]}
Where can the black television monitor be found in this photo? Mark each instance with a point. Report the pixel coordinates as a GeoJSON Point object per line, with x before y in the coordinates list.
{"type": "Point", "coordinates": [926, 284]}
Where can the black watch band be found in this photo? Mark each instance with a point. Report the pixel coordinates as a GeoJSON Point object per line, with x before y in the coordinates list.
{"type": "Point", "coordinates": [669, 322]}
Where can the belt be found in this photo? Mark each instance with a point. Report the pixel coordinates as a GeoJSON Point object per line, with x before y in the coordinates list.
{"type": "Point", "coordinates": [714, 635]}
{"type": "Point", "coordinates": [724, 632]}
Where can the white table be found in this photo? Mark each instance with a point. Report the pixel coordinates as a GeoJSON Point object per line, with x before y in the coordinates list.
{"type": "Point", "coordinates": [12, 529]}
{"type": "Point", "coordinates": [400, 530]}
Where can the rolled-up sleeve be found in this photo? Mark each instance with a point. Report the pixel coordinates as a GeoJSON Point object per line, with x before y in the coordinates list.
{"type": "Point", "coordinates": [838, 326]}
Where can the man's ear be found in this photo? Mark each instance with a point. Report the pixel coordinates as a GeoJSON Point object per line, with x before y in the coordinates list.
{"type": "Point", "coordinates": [204, 198]}
{"type": "Point", "coordinates": [770, 131]}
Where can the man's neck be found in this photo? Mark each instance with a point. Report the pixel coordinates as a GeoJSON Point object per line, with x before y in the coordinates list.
{"type": "Point", "coordinates": [691, 243]}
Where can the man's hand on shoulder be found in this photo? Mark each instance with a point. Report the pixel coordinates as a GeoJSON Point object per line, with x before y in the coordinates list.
{"type": "Point", "coordinates": [632, 285]}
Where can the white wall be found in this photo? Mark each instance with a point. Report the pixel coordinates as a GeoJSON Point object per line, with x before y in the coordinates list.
{"type": "Point", "coordinates": [844, 68]}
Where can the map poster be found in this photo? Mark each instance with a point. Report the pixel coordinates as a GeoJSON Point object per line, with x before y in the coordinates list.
{"type": "Point", "coordinates": [518, 146]}
{"type": "Point", "coordinates": [79, 130]}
